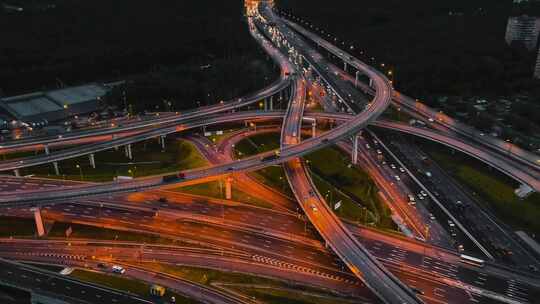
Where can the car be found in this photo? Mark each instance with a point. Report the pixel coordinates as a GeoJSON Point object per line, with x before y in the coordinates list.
{"type": "Point", "coordinates": [451, 224]}
{"type": "Point", "coordinates": [230, 168]}
{"type": "Point", "coordinates": [162, 199]}
{"type": "Point", "coordinates": [314, 208]}
{"type": "Point", "coordinates": [423, 193]}
{"type": "Point", "coordinates": [367, 146]}
{"type": "Point", "coordinates": [431, 119]}
{"type": "Point", "coordinates": [379, 152]}
{"type": "Point", "coordinates": [101, 265]}
{"type": "Point", "coordinates": [401, 170]}
{"type": "Point", "coordinates": [393, 166]}
{"type": "Point", "coordinates": [418, 291]}
{"type": "Point", "coordinates": [118, 269]}
{"type": "Point", "coordinates": [420, 196]}
{"type": "Point", "coordinates": [460, 248]}
{"type": "Point", "coordinates": [431, 216]}
{"type": "Point", "coordinates": [397, 178]}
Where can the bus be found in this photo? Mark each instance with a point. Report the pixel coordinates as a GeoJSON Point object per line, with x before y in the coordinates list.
{"type": "Point", "coordinates": [471, 260]}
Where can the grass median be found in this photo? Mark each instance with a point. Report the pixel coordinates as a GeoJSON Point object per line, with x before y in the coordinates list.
{"type": "Point", "coordinates": [494, 190]}
{"type": "Point", "coordinates": [334, 178]}
{"type": "Point", "coordinates": [133, 286]}
{"type": "Point", "coordinates": [148, 159]}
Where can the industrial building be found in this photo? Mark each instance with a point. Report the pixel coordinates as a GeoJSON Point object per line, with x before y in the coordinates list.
{"type": "Point", "coordinates": [523, 29]}
{"type": "Point", "coordinates": [42, 108]}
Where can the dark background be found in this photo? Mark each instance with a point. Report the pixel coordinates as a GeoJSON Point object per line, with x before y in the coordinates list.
{"type": "Point", "coordinates": [160, 45]}
{"type": "Point", "coordinates": [436, 47]}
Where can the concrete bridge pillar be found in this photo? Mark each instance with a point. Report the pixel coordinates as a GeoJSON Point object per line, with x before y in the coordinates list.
{"type": "Point", "coordinates": [39, 221]}
{"type": "Point", "coordinates": [314, 128]}
{"type": "Point", "coordinates": [371, 83]}
{"type": "Point", "coordinates": [113, 138]}
{"type": "Point", "coordinates": [162, 142]}
{"type": "Point", "coordinates": [56, 168]}
{"type": "Point", "coordinates": [92, 160]}
{"type": "Point", "coordinates": [17, 173]}
{"type": "Point", "coordinates": [355, 149]}
{"type": "Point", "coordinates": [272, 103]}
{"type": "Point", "coordinates": [128, 151]}
{"type": "Point", "coordinates": [356, 79]}
{"type": "Point", "coordinates": [47, 152]}
{"type": "Point", "coordinates": [345, 66]}
{"type": "Point", "coordinates": [228, 187]}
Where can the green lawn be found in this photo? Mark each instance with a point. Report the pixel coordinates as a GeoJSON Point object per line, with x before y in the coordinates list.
{"type": "Point", "coordinates": [208, 276]}
{"type": "Point", "coordinates": [331, 176]}
{"type": "Point", "coordinates": [94, 232]}
{"type": "Point", "coordinates": [334, 175]}
{"type": "Point", "coordinates": [16, 227]}
{"type": "Point", "coordinates": [495, 190]}
{"type": "Point", "coordinates": [130, 285]}
{"type": "Point", "coordinates": [148, 159]}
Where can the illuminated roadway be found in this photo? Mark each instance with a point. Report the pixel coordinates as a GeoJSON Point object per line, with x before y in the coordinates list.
{"type": "Point", "coordinates": [288, 152]}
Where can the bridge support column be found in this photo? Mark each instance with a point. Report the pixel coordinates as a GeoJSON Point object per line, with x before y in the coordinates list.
{"type": "Point", "coordinates": [128, 151]}
{"type": "Point", "coordinates": [113, 138]}
{"type": "Point", "coordinates": [56, 169]}
{"type": "Point", "coordinates": [371, 83]}
{"type": "Point", "coordinates": [355, 149]}
{"type": "Point", "coordinates": [356, 79]}
{"type": "Point", "coordinates": [266, 104]}
{"type": "Point", "coordinates": [314, 128]}
{"type": "Point", "coordinates": [17, 172]}
{"type": "Point", "coordinates": [228, 187]}
{"type": "Point", "coordinates": [92, 160]}
{"type": "Point", "coordinates": [162, 142]}
{"type": "Point", "coordinates": [271, 103]}
{"type": "Point", "coordinates": [345, 66]}
{"type": "Point", "coordinates": [39, 221]}
{"type": "Point", "coordinates": [47, 152]}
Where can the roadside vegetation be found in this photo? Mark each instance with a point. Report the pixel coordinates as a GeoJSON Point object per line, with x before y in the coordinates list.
{"type": "Point", "coordinates": [148, 159]}
{"type": "Point", "coordinates": [16, 227]}
{"type": "Point", "coordinates": [133, 286]}
{"type": "Point", "coordinates": [334, 178]}
{"type": "Point", "coordinates": [268, 290]}
{"type": "Point", "coordinates": [493, 189]}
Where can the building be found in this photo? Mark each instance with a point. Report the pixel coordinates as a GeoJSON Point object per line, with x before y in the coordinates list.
{"type": "Point", "coordinates": [523, 29]}
{"type": "Point", "coordinates": [537, 67]}
{"type": "Point", "coordinates": [42, 108]}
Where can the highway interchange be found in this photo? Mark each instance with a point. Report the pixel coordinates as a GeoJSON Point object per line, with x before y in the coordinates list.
{"type": "Point", "coordinates": [316, 249]}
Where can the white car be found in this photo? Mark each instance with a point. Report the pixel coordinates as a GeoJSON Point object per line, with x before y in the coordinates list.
{"type": "Point", "coordinates": [392, 166]}
{"type": "Point", "coordinates": [118, 269]}
{"type": "Point", "coordinates": [397, 178]}
{"type": "Point", "coordinates": [314, 208]}
{"type": "Point", "coordinates": [401, 170]}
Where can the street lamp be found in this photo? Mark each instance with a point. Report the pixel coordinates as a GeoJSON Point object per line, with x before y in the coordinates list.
{"type": "Point", "coordinates": [80, 170]}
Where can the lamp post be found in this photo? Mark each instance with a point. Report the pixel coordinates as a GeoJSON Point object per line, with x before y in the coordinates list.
{"type": "Point", "coordinates": [80, 170]}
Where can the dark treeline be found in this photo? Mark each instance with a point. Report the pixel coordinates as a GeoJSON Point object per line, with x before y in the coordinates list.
{"type": "Point", "coordinates": [435, 47]}
{"type": "Point", "coordinates": [161, 44]}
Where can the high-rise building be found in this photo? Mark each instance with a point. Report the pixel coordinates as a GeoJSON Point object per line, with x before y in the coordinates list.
{"type": "Point", "coordinates": [537, 67]}
{"type": "Point", "coordinates": [523, 29]}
